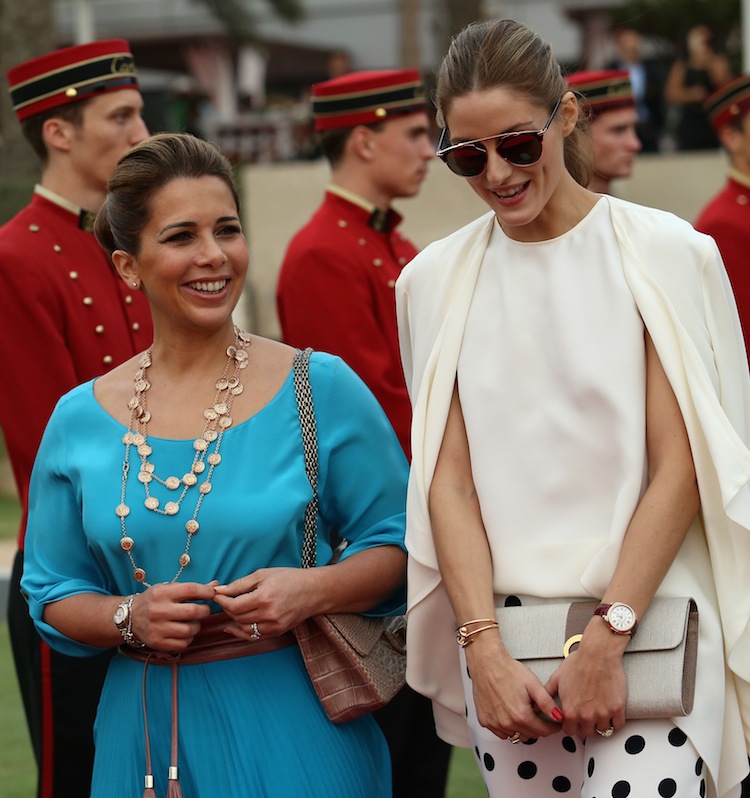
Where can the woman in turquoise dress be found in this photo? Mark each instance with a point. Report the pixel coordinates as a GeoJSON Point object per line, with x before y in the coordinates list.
{"type": "Point", "coordinates": [167, 508]}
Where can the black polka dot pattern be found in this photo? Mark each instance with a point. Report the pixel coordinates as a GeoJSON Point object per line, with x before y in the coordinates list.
{"type": "Point", "coordinates": [652, 759]}
{"type": "Point", "coordinates": [667, 788]}
{"type": "Point", "coordinates": [677, 737]}
{"type": "Point", "coordinates": [635, 744]}
{"type": "Point", "coordinates": [621, 789]}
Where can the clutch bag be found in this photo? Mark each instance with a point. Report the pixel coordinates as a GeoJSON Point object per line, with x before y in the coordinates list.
{"type": "Point", "coordinates": [660, 660]}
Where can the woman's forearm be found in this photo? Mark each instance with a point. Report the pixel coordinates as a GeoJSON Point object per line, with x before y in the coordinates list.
{"type": "Point", "coordinates": [359, 582]}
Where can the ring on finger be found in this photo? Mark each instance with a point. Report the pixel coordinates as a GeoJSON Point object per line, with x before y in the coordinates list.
{"type": "Point", "coordinates": [256, 635]}
{"type": "Point", "coordinates": [516, 738]}
{"type": "Point", "coordinates": [608, 732]}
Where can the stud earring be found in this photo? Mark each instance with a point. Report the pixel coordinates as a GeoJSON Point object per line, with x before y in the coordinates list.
{"type": "Point", "coordinates": [135, 284]}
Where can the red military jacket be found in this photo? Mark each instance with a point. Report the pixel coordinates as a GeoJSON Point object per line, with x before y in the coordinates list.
{"type": "Point", "coordinates": [726, 218]}
{"type": "Point", "coordinates": [66, 318]}
{"type": "Point", "coordinates": [335, 294]}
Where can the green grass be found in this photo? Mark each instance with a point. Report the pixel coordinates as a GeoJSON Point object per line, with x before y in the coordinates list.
{"type": "Point", "coordinates": [10, 515]}
{"type": "Point", "coordinates": [17, 771]}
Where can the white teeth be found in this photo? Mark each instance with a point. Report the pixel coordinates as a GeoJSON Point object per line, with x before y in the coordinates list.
{"type": "Point", "coordinates": [509, 194]}
{"type": "Point", "coordinates": [209, 288]}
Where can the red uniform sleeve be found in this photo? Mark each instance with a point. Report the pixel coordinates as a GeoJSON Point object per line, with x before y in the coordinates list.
{"type": "Point", "coordinates": [330, 301]}
{"type": "Point", "coordinates": [37, 366]}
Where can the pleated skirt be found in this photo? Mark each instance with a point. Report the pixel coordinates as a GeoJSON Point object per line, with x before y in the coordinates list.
{"type": "Point", "coordinates": [250, 727]}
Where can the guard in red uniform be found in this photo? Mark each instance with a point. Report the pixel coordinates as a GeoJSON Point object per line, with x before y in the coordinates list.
{"type": "Point", "coordinates": [607, 95]}
{"type": "Point", "coordinates": [66, 318]}
{"type": "Point", "coordinates": [336, 293]}
{"type": "Point", "coordinates": [335, 290]}
{"type": "Point", "coordinates": [727, 216]}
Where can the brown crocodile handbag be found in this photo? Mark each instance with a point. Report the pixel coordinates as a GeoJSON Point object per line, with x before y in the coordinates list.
{"type": "Point", "coordinates": [356, 662]}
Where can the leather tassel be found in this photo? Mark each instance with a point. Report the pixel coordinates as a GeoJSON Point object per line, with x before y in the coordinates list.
{"type": "Point", "coordinates": [149, 791]}
{"type": "Point", "coordinates": [174, 790]}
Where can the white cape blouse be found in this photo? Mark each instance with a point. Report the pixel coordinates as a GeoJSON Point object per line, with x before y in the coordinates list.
{"type": "Point", "coordinates": [682, 292]}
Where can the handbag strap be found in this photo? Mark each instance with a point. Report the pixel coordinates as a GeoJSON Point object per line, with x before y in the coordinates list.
{"type": "Point", "coordinates": [308, 428]}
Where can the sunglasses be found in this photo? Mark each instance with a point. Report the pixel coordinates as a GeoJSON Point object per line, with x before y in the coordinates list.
{"type": "Point", "coordinates": [469, 158]}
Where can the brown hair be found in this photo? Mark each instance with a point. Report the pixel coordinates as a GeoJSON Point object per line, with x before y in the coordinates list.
{"type": "Point", "coordinates": [505, 53]}
{"type": "Point", "coordinates": [31, 127]}
{"type": "Point", "coordinates": [333, 142]}
{"type": "Point", "coordinates": [145, 169]}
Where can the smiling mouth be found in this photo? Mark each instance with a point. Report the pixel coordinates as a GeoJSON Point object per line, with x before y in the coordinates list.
{"type": "Point", "coordinates": [505, 195]}
{"type": "Point", "coordinates": [209, 288]}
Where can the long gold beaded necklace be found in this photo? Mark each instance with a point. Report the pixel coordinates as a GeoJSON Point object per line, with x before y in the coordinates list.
{"type": "Point", "coordinates": [217, 420]}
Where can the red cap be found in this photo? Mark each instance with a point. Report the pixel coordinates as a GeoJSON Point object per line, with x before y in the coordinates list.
{"type": "Point", "coordinates": [71, 75]}
{"type": "Point", "coordinates": [603, 89]}
{"type": "Point", "coordinates": [728, 102]}
{"type": "Point", "coordinates": [364, 98]}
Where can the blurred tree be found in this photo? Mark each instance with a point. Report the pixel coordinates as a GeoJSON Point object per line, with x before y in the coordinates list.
{"type": "Point", "coordinates": [453, 15]}
{"type": "Point", "coordinates": [239, 19]}
{"type": "Point", "coordinates": [27, 29]}
{"type": "Point", "coordinates": [671, 19]}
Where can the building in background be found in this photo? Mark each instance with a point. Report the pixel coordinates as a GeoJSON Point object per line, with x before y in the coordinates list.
{"type": "Point", "coordinates": [253, 99]}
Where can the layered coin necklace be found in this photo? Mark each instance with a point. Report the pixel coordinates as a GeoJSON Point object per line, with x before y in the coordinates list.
{"type": "Point", "coordinates": [217, 420]}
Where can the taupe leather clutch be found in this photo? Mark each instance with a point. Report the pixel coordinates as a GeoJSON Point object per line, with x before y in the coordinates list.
{"type": "Point", "coordinates": [660, 660]}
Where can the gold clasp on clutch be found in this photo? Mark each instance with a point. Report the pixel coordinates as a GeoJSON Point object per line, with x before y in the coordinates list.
{"type": "Point", "coordinates": [569, 643]}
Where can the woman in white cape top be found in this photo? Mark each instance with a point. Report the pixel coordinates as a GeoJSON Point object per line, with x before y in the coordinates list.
{"type": "Point", "coordinates": [682, 295]}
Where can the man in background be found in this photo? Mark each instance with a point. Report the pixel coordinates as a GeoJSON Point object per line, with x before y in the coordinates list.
{"type": "Point", "coordinates": [608, 97]}
{"type": "Point", "coordinates": [67, 318]}
{"type": "Point", "coordinates": [647, 80]}
{"type": "Point", "coordinates": [726, 217]}
{"type": "Point", "coordinates": [336, 294]}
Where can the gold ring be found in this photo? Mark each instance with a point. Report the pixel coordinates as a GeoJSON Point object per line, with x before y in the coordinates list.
{"type": "Point", "coordinates": [516, 738]}
{"type": "Point", "coordinates": [606, 733]}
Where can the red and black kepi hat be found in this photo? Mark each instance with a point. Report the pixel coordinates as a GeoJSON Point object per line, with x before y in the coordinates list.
{"type": "Point", "coordinates": [71, 75]}
{"type": "Point", "coordinates": [363, 98]}
{"type": "Point", "coordinates": [603, 89]}
{"type": "Point", "coordinates": [728, 102]}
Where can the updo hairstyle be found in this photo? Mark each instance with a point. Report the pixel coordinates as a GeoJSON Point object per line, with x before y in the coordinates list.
{"type": "Point", "coordinates": [503, 53]}
{"type": "Point", "coordinates": [145, 169]}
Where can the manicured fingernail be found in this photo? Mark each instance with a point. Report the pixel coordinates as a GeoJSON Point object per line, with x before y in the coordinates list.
{"type": "Point", "coordinates": [556, 714]}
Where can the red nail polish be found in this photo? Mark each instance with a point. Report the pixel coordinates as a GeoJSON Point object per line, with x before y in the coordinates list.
{"type": "Point", "coordinates": [556, 714]}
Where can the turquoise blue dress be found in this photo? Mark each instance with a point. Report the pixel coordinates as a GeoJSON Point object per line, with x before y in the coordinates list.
{"type": "Point", "coordinates": [251, 726]}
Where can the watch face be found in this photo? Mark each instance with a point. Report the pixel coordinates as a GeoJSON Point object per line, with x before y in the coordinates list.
{"type": "Point", "coordinates": [621, 617]}
{"type": "Point", "coordinates": [121, 614]}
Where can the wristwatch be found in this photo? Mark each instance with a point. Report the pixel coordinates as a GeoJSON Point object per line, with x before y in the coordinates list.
{"type": "Point", "coordinates": [620, 617]}
{"type": "Point", "coordinates": [123, 619]}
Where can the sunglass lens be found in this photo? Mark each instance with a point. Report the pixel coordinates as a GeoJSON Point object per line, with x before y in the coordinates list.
{"type": "Point", "coordinates": [521, 150]}
{"type": "Point", "coordinates": [467, 161]}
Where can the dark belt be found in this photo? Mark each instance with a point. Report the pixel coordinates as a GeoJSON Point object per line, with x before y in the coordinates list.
{"type": "Point", "coordinates": [210, 644]}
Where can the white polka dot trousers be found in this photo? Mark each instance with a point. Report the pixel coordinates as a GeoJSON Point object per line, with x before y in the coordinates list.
{"type": "Point", "coordinates": [645, 759]}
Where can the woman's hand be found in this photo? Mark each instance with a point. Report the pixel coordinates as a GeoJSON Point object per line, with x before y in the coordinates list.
{"type": "Point", "coordinates": [507, 695]}
{"type": "Point", "coordinates": [269, 601]}
{"type": "Point", "coordinates": [591, 683]}
{"type": "Point", "coordinates": [166, 617]}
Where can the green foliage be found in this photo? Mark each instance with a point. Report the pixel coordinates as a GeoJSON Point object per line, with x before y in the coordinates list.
{"type": "Point", "coordinates": [671, 19]}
